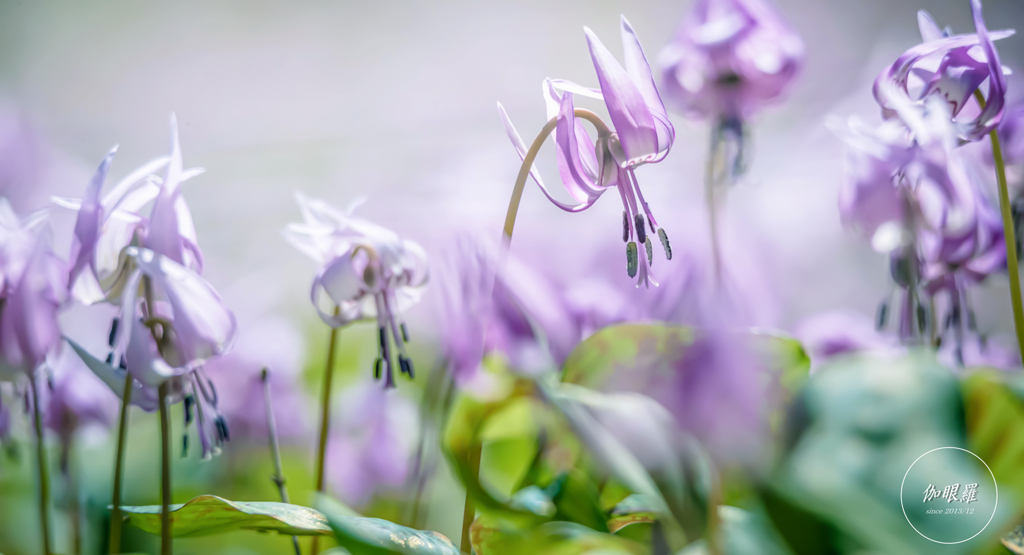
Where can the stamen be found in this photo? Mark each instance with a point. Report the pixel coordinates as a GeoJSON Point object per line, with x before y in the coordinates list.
{"type": "Point", "coordinates": [110, 358]}
{"type": "Point", "coordinates": [184, 445]}
{"type": "Point", "coordinates": [650, 251]}
{"type": "Point", "coordinates": [625, 227]}
{"type": "Point", "coordinates": [377, 364]}
{"type": "Point", "coordinates": [405, 332]}
{"type": "Point", "coordinates": [223, 434]}
{"type": "Point", "coordinates": [113, 332]}
{"type": "Point", "coordinates": [631, 259]}
{"type": "Point", "coordinates": [641, 233]}
{"type": "Point", "coordinates": [189, 403]}
{"type": "Point", "coordinates": [882, 315]}
{"type": "Point", "coordinates": [922, 318]}
{"type": "Point", "coordinates": [382, 340]}
{"type": "Point", "coordinates": [406, 366]}
{"type": "Point", "coordinates": [664, 243]}
{"type": "Point", "coordinates": [123, 364]}
{"type": "Point", "coordinates": [650, 224]}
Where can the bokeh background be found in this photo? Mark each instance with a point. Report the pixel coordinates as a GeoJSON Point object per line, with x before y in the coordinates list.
{"type": "Point", "coordinates": [396, 101]}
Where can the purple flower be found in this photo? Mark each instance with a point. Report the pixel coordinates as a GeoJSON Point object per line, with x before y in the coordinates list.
{"type": "Point", "coordinates": [169, 340]}
{"type": "Point", "coordinates": [829, 334]}
{"type": "Point", "coordinates": [519, 314]}
{"type": "Point", "coordinates": [366, 271]}
{"type": "Point", "coordinates": [950, 68]}
{"type": "Point", "coordinates": [109, 223]}
{"type": "Point", "coordinates": [77, 399]}
{"type": "Point", "coordinates": [641, 133]}
{"type": "Point", "coordinates": [372, 445]}
{"type": "Point", "coordinates": [266, 342]}
{"type": "Point", "coordinates": [33, 288]}
{"type": "Point", "coordinates": [730, 58]}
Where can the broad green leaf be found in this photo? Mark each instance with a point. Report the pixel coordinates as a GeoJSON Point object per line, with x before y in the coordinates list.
{"type": "Point", "coordinates": [374, 536]}
{"type": "Point", "coordinates": [995, 426]}
{"type": "Point", "coordinates": [633, 509]}
{"type": "Point", "coordinates": [208, 515]}
{"type": "Point", "coordinates": [1014, 541]}
{"type": "Point", "coordinates": [492, 536]}
{"type": "Point", "coordinates": [742, 533]}
{"type": "Point", "coordinates": [602, 357]}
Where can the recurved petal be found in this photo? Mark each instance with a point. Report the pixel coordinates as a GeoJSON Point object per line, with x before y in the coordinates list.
{"type": "Point", "coordinates": [577, 163]}
{"type": "Point", "coordinates": [163, 236]}
{"type": "Point", "coordinates": [640, 71]}
{"type": "Point", "coordinates": [343, 277]}
{"type": "Point", "coordinates": [89, 221]}
{"type": "Point", "coordinates": [627, 107]}
{"type": "Point", "coordinates": [205, 327]}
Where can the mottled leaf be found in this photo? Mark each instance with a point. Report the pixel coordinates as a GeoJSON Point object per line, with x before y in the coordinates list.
{"type": "Point", "coordinates": [995, 426]}
{"type": "Point", "coordinates": [208, 515]}
{"type": "Point", "coordinates": [1014, 540]}
{"type": "Point", "coordinates": [374, 536]}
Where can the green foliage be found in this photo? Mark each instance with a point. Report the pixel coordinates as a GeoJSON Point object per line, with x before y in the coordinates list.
{"type": "Point", "coordinates": [208, 515]}
{"type": "Point", "coordinates": [995, 426]}
{"type": "Point", "coordinates": [374, 536]}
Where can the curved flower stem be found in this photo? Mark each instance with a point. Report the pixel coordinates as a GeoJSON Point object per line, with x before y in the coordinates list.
{"type": "Point", "coordinates": [165, 473]}
{"type": "Point", "coordinates": [531, 155]}
{"type": "Point", "coordinates": [122, 435]}
{"type": "Point", "coordinates": [1009, 233]}
{"type": "Point", "coordinates": [325, 415]}
{"type": "Point", "coordinates": [44, 480]}
{"type": "Point", "coordinates": [275, 448]}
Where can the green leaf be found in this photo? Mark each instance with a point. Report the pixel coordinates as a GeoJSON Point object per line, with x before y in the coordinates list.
{"type": "Point", "coordinates": [374, 536]}
{"type": "Point", "coordinates": [492, 536]}
{"type": "Point", "coordinates": [208, 515]}
{"type": "Point", "coordinates": [995, 426]}
{"type": "Point", "coordinates": [633, 509]}
{"type": "Point", "coordinates": [596, 360]}
{"type": "Point", "coordinates": [743, 533]}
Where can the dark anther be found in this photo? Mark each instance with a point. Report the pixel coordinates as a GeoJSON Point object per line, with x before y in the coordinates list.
{"type": "Point", "coordinates": [729, 79]}
{"type": "Point", "coordinates": [222, 429]}
{"type": "Point", "coordinates": [382, 339]}
{"type": "Point", "coordinates": [922, 317]}
{"type": "Point", "coordinates": [631, 263]}
{"type": "Point", "coordinates": [664, 243]}
{"type": "Point", "coordinates": [903, 270]}
{"type": "Point", "coordinates": [641, 233]}
{"type": "Point", "coordinates": [882, 316]}
{"type": "Point", "coordinates": [625, 227]}
{"type": "Point", "coordinates": [122, 364]}
{"type": "Point", "coordinates": [189, 404]}
{"type": "Point", "coordinates": [110, 359]}
{"type": "Point", "coordinates": [954, 315]}
{"type": "Point", "coordinates": [377, 365]}
{"type": "Point", "coordinates": [650, 251]}
{"type": "Point", "coordinates": [113, 331]}
{"type": "Point", "coordinates": [184, 446]}
{"type": "Point", "coordinates": [405, 365]}
{"type": "Point", "coordinates": [405, 332]}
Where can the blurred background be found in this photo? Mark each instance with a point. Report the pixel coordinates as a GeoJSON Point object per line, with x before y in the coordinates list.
{"type": "Point", "coordinates": [396, 101]}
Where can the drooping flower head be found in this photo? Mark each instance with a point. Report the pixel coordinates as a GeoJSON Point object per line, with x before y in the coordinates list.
{"type": "Point", "coordinates": [952, 68]}
{"type": "Point", "coordinates": [640, 133]}
{"type": "Point", "coordinates": [33, 288]}
{"type": "Point", "coordinates": [171, 323]}
{"type": "Point", "coordinates": [729, 59]}
{"type": "Point", "coordinates": [107, 224]}
{"type": "Point", "coordinates": [366, 271]}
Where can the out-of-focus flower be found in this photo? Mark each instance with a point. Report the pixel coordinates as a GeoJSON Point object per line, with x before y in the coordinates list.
{"type": "Point", "coordinates": [829, 334]}
{"type": "Point", "coordinates": [33, 288]}
{"type": "Point", "coordinates": [266, 342]}
{"type": "Point", "coordinates": [108, 224]}
{"type": "Point", "coordinates": [519, 314]}
{"type": "Point", "coordinates": [77, 399]}
{"type": "Point", "coordinates": [366, 271]}
{"type": "Point", "coordinates": [641, 134]}
{"type": "Point", "coordinates": [730, 58]}
{"type": "Point", "coordinates": [372, 445]}
{"type": "Point", "coordinates": [23, 157]}
{"type": "Point", "coordinates": [951, 68]}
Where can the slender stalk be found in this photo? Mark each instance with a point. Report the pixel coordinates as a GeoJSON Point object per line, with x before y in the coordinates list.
{"type": "Point", "coordinates": [44, 480]}
{"type": "Point", "coordinates": [1010, 238]}
{"type": "Point", "coordinates": [165, 473]}
{"type": "Point", "coordinates": [325, 416]}
{"type": "Point", "coordinates": [531, 155]}
{"type": "Point", "coordinates": [714, 544]}
{"type": "Point", "coordinates": [114, 545]}
{"type": "Point", "coordinates": [469, 511]}
{"type": "Point", "coordinates": [275, 449]}
{"type": "Point", "coordinates": [67, 467]}
{"type": "Point", "coordinates": [1009, 232]}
